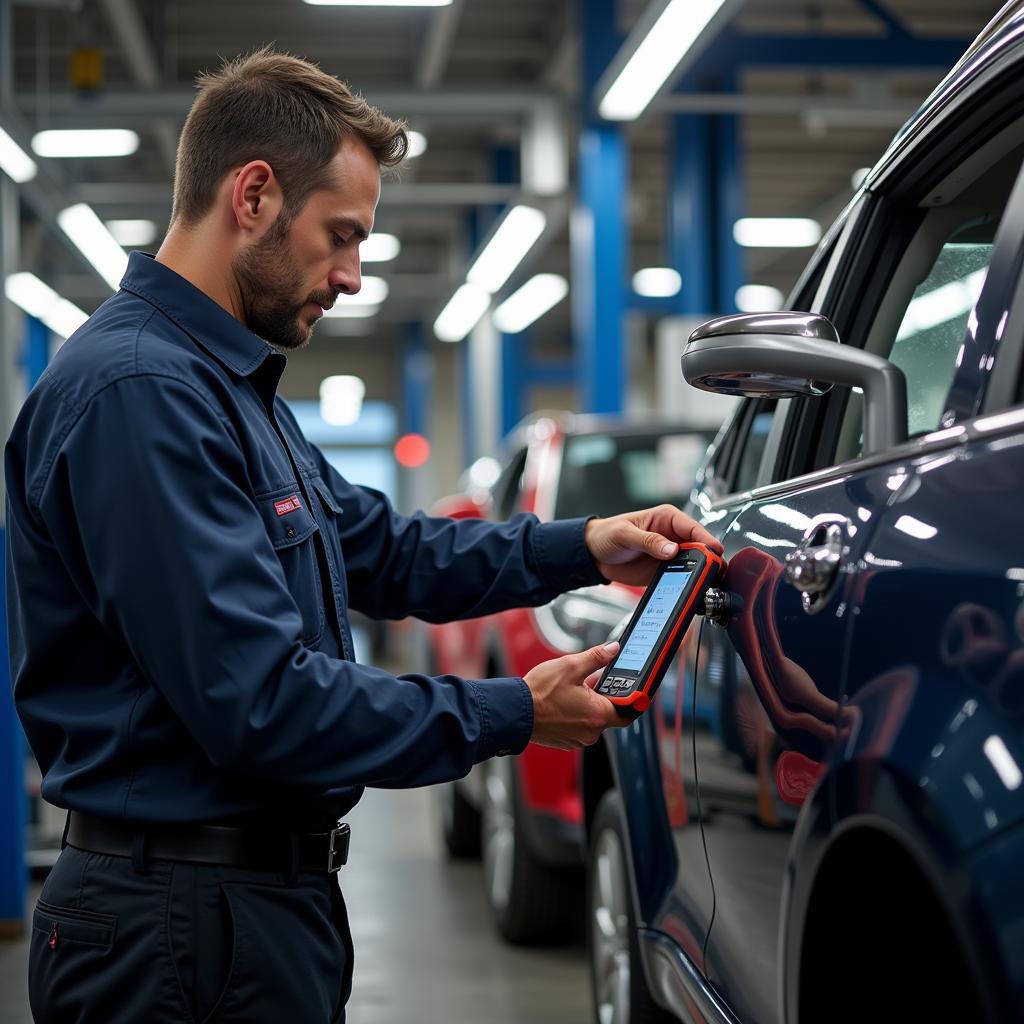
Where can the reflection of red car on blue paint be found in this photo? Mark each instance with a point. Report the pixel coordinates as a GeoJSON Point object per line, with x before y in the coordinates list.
{"type": "Point", "coordinates": [525, 814]}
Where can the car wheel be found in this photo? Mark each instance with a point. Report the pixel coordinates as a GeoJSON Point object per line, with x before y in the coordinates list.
{"type": "Point", "coordinates": [460, 823]}
{"type": "Point", "coordinates": [532, 902]}
{"type": "Point", "coordinates": [616, 974]}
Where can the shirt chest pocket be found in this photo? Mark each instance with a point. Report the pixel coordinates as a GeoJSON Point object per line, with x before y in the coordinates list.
{"type": "Point", "coordinates": [292, 531]}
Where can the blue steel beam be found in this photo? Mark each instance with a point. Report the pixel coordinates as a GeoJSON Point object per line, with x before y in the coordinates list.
{"type": "Point", "coordinates": [898, 51]}
{"type": "Point", "coordinates": [598, 234]}
{"type": "Point", "coordinates": [416, 374]}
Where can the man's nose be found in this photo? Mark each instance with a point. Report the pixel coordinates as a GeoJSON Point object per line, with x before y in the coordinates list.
{"type": "Point", "coordinates": [346, 278]}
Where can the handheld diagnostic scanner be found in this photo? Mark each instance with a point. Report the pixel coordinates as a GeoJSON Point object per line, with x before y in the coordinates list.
{"type": "Point", "coordinates": [657, 627]}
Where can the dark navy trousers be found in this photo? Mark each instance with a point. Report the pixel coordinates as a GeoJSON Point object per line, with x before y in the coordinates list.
{"type": "Point", "coordinates": [188, 944]}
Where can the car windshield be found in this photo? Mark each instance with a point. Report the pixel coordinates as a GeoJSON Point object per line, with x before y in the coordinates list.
{"type": "Point", "coordinates": [605, 474]}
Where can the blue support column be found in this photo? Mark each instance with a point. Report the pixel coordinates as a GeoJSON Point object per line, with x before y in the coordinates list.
{"type": "Point", "coordinates": [416, 382]}
{"type": "Point", "coordinates": [730, 206]}
{"type": "Point", "coordinates": [37, 350]}
{"type": "Point", "coordinates": [513, 379]}
{"type": "Point", "coordinates": [599, 233]}
{"type": "Point", "coordinates": [691, 214]}
{"type": "Point", "coordinates": [13, 873]}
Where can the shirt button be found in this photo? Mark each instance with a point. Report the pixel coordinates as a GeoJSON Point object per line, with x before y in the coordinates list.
{"type": "Point", "coordinates": [290, 532]}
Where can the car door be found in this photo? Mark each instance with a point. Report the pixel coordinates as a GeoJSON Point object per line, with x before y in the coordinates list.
{"type": "Point", "coordinates": [700, 700]}
{"type": "Point", "coordinates": [774, 676]}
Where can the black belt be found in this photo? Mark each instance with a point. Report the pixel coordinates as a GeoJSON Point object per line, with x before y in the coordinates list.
{"type": "Point", "coordinates": [212, 844]}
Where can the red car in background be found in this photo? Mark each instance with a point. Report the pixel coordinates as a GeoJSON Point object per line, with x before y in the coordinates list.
{"type": "Point", "coordinates": [524, 814]}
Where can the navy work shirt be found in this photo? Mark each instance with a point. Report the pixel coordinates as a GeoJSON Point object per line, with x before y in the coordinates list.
{"type": "Point", "coordinates": [179, 568]}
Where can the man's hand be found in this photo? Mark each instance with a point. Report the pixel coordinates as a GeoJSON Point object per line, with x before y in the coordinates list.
{"type": "Point", "coordinates": [628, 548]}
{"type": "Point", "coordinates": [567, 714]}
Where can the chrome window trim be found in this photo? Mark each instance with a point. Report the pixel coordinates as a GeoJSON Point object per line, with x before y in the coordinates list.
{"type": "Point", "coordinates": [984, 427]}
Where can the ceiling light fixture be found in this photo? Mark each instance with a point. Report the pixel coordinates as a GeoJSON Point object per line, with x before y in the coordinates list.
{"type": "Point", "coordinates": [668, 31]}
{"type": "Point", "coordinates": [657, 282]}
{"type": "Point", "coordinates": [776, 232]}
{"type": "Point", "coordinates": [379, 3]}
{"type": "Point", "coordinates": [132, 232]}
{"type": "Point", "coordinates": [39, 300]}
{"type": "Point", "coordinates": [341, 399]}
{"type": "Point", "coordinates": [463, 313]}
{"type": "Point", "coordinates": [94, 242]}
{"type": "Point", "coordinates": [14, 161]}
{"type": "Point", "coordinates": [417, 144]}
{"type": "Point", "coordinates": [379, 248]}
{"type": "Point", "coordinates": [507, 247]}
{"type": "Point", "coordinates": [758, 298]}
{"type": "Point", "coordinates": [373, 292]}
{"type": "Point", "coordinates": [530, 303]}
{"type": "Point", "coordinates": [85, 142]}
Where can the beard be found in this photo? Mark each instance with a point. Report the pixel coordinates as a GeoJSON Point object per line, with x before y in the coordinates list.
{"type": "Point", "coordinates": [270, 286]}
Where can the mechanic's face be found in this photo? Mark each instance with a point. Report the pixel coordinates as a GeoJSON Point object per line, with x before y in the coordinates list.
{"type": "Point", "coordinates": [300, 266]}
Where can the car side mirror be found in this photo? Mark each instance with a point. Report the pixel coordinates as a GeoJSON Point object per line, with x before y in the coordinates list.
{"type": "Point", "coordinates": [787, 355]}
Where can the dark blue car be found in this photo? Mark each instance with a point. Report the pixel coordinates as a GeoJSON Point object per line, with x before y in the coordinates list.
{"type": "Point", "coordinates": [821, 819]}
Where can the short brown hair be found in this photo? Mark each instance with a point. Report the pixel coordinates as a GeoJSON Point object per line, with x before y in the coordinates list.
{"type": "Point", "coordinates": [279, 108]}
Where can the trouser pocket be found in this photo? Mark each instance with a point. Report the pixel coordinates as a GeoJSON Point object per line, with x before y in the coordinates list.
{"type": "Point", "coordinates": [289, 960]}
{"type": "Point", "coordinates": [69, 948]}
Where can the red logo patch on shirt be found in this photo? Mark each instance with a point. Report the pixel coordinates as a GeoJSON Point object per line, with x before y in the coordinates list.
{"type": "Point", "coordinates": [286, 505]}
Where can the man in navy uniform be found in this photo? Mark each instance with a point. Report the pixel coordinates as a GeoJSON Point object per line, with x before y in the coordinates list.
{"type": "Point", "coordinates": [180, 568]}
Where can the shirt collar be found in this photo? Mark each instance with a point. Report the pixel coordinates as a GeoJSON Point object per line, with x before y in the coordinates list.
{"type": "Point", "coordinates": [212, 326]}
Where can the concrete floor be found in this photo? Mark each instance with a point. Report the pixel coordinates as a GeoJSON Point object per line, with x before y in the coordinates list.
{"type": "Point", "coordinates": [425, 948]}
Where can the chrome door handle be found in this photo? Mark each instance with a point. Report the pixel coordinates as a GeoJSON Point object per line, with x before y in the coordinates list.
{"type": "Point", "coordinates": [814, 567]}
{"type": "Point", "coordinates": [812, 570]}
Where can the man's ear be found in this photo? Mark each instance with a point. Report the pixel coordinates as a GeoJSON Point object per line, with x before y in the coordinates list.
{"type": "Point", "coordinates": [256, 197]}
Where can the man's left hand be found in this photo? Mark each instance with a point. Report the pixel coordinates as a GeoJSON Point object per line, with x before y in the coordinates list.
{"type": "Point", "coordinates": [628, 548]}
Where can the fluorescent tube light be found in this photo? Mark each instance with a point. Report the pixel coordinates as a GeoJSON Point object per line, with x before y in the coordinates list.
{"type": "Point", "coordinates": [42, 302]}
{"type": "Point", "coordinates": [657, 282]}
{"type": "Point", "coordinates": [14, 161]}
{"type": "Point", "coordinates": [132, 232]}
{"type": "Point", "coordinates": [351, 309]}
{"type": "Point", "coordinates": [94, 242]}
{"type": "Point", "coordinates": [666, 42]}
{"type": "Point", "coordinates": [758, 298]}
{"type": "Point", "coordinates": [530, 303]}
{"type": "Point", "coordinates": [463, 313]}
{"type": "Point", "coordinates": [858, 176]}
{"type": "Point", "coordinates": [417, 144]}
{"type": "Point", "coordinates": [341, 399]}
{"type": "Point", "coordinates": [79, 142]}
{"type": "Point", "coordinates": [379, 3]}
{"type": "Point", "coordinates": [1002, 760]}
{"type": "Point", "coordinates": [512, 240]}
{"type": "Point", "coordinates": [373, 292]}
{"type": "Point", "coordinates": [379, 248]}
{"type": "Point", "coordinates": [776, 232]}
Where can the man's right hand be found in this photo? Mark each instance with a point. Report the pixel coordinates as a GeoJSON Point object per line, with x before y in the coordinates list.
{"type": "Point", "coordinates": [567, 714]}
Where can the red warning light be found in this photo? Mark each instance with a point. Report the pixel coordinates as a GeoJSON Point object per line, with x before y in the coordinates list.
{"type": "Point", "coordinates": [412, 450]}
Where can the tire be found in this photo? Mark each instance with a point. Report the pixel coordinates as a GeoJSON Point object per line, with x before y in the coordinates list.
{"type": "Point", "coordinates": [617, 981]}
{"type": "Point", "coordinates": [460, 823]}
{"type": "Point", "coordinates": [532, 903]}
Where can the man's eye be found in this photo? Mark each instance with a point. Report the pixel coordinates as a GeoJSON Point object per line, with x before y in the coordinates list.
{"type": "Point", "coordinates": [336, 239]}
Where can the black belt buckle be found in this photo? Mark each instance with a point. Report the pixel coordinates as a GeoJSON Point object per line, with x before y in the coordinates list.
{"type": "Point", "coordinates": [337, 853]}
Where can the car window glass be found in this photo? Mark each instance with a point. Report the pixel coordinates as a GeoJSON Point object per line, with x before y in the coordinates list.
{"type": "Point", "coordinates": [928, 300]}
{"type": "Point", "coordinates": [748, 466]}
{"type": "Point", "coordinates": [605, 474]}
